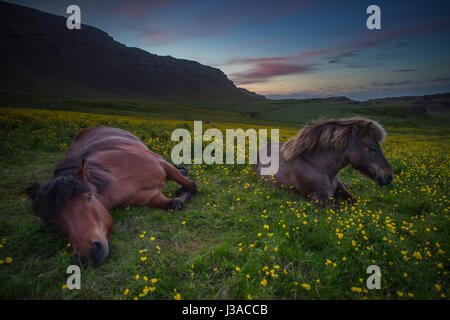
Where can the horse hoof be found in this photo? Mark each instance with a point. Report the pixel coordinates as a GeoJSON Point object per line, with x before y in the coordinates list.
{"type": "Point", "coordinates": [177, 204]}
{"type": "Point", "coordinates": [193, 188]}
{"type": "Point", "coordinates": [352, 199]}
{"type": "Point", "coordinates": [179, 191]}
{"type": "Point", "coordinates": [183, 170]}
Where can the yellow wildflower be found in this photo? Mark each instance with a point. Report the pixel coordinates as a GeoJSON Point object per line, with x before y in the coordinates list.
{"type": "Point", "coordinates": [306, 286]}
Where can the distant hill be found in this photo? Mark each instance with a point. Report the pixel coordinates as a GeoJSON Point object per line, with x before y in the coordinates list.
{"type": "Point", "coordinates": [413, 105]}
{"type": "Point", "coordinates": [416, 104]}
{"type": "Point", "coordinates": [252, 94]}
{"type": "Point", "coordinates": [39, 55]}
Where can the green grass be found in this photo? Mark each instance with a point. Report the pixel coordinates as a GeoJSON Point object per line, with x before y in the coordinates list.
{"type": "Point", "coordinates": [290, 113]}
{"type": "Point", "coordinates": [225, 224]}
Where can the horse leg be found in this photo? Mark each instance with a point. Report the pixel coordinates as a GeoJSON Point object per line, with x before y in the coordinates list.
{"type": "Point", "coordinates": [162, 202]}
{"type": "Point", "coordinates": [184, 171]}
{"type": "Point", "coordinates": [321, 193]}
{"type": "Point", "coordinates": [341, 190]}
{"type": "Point", "coordinates": [322, 199]}
{"type": "Point", "coordinates": [174, 174]}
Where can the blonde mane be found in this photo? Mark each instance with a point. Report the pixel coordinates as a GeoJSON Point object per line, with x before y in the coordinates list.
{"type": "Point", "coordinates": [331, 134]}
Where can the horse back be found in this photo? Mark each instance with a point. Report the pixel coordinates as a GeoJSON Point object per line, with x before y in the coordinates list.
{"type": "Point", "coordinates": [97, 139]}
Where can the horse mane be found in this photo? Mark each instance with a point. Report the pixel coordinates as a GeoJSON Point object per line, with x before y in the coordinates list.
{"type": "Point", "coordinates": [49, 199]}
{"type": "Point", "coordinates": [331, 134]}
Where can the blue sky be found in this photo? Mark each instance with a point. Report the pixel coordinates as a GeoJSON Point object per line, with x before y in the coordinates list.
{"type": "Point", "coordinates": [289, 49]}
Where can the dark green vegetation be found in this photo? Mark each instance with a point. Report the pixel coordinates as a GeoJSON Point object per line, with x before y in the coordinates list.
{"type": "Point", "coordinates": [237, 238]}
{"type": "Point", "coordinates": [398, 112]}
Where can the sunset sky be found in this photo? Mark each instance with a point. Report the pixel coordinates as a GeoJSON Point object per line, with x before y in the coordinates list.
{"type": "Point", "coordinates": [289, 49]}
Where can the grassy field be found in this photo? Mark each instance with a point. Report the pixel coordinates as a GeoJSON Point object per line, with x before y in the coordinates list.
{"type": "Point", "coordinates": [237, 238]}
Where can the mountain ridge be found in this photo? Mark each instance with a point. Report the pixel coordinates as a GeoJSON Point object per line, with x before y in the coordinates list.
{"type": "Point", "coordinates": [40, 55]}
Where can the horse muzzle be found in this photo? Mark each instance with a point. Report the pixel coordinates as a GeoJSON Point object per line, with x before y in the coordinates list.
{"type": "Point", "coordinates": [99, 253]}
{"type": "Point", "coordinates": [384, 179]}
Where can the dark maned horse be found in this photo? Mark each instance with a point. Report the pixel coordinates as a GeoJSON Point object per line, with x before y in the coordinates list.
{"type": "Point", "coordinates": [310, 162]}
{"type": "Point", "coordinates": [104, 168]}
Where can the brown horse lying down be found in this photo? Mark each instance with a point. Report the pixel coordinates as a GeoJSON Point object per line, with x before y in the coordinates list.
{"type": "Point", "coordinates": [310, 162]}
{"type": "Point", "coordinates": [104, 168]}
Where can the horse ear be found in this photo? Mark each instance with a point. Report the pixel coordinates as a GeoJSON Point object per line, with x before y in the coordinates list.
{"type": "Point", "coordinates": [366, 129]}
{"type": "Point", "coordinates": [83, 171]}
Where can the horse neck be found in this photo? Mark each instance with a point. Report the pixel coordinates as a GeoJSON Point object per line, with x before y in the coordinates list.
{"type": "Point", "coordinates": [329, 162]}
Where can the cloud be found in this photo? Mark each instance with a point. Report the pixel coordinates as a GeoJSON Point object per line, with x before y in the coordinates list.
{"type": "Point", "coordinates": [408, 82]}
{"type": "Point", "coordinates": [289, 7]}
{"type": "Point", "coordinates": [363, 65]}
{"type": "Point", "coordinates": [350, 49]}
{"type": "Point", "coordinates": [422, 28]}
{"type": "Point", "coordinates": [348, 54]}
{"type": "Point", "coordinates": [354, 46]}
{"type": "Point", "coordinates": [440, 79]}
{"type": "Point", "coordinates": [233, 15]}
{"type": "Point", "coordinates": [404, 70]}
{"type": "Point", "coordinates": [396, 83]}
{"type": "Point", "coordinates": [265, 71]}
{"type": "Point", "coordinates": [258, 60]}
{"type": "Point", "coordinates": [140, 8]}
{"type": "Point", "coordinates": [156, 35]}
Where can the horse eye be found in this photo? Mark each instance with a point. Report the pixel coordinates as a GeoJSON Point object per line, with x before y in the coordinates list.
{"type": "Point", "coordinates": [372, 149]}
{"type": "Point", "coordinates": [89, 197]}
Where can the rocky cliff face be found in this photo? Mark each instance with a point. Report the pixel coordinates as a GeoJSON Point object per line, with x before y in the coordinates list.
{"type": "Point", "coordinates": [40, 55]}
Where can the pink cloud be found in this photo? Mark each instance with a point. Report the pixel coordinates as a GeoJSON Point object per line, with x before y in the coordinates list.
{"type": "Point", "coordinates": [304, 56]}
{"type": "Point", "coordinates": [425, 27]}
{"type": "Point", "coordinates": [264, 71]}
{"type": "Point", "coordinates": [349, 47]}
{"type": "Point", "coordinates": [260, 60]}
{"type": "Point", "coordinates": [368, 40]}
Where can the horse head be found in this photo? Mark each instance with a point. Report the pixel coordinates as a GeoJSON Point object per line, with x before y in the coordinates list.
{"type": "Point", "coordinates": [72, 201]}
{"type": "Point", "coordinates": [365, 155]}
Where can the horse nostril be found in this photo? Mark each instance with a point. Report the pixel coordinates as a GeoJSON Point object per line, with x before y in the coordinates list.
{"type": "Point", "coordinates": [99, 252]}
{"type": "Point", "coordinates": [390, 177]}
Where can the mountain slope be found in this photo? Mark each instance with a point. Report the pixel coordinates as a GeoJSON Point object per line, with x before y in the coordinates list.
{"type": "Point", "coordinates": [40, 55]}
